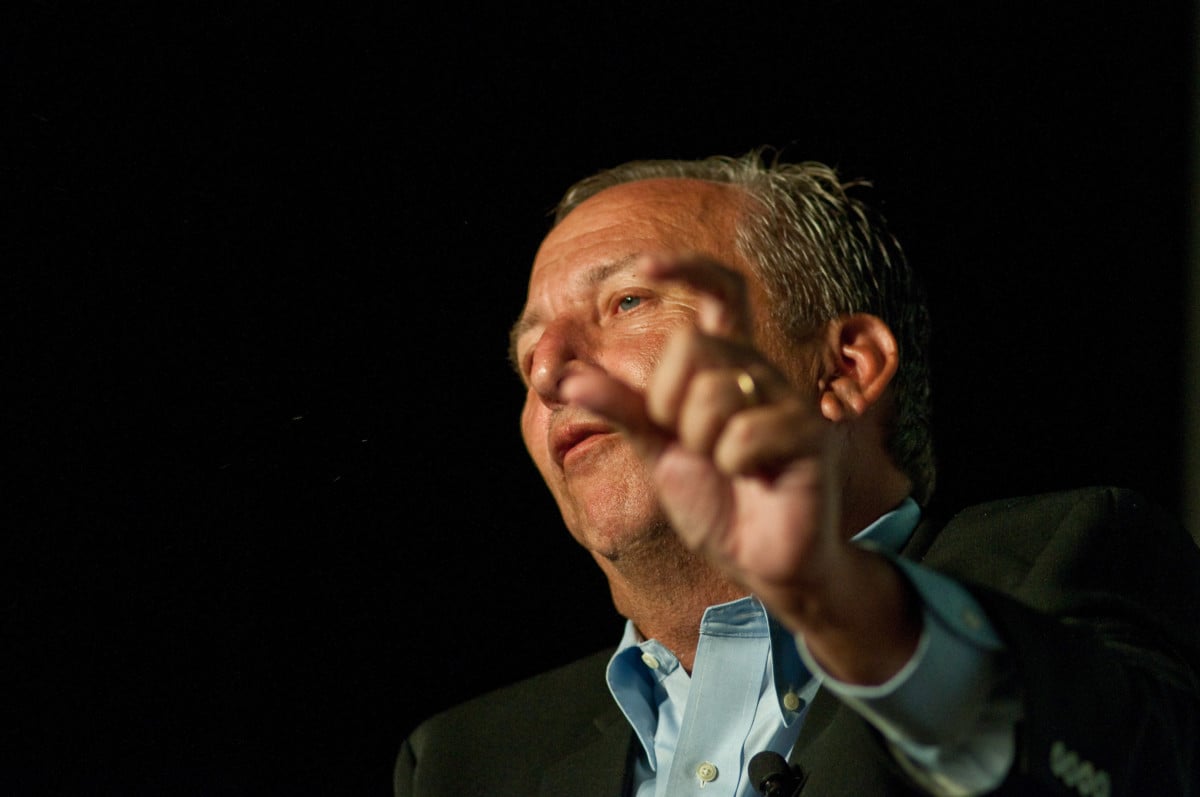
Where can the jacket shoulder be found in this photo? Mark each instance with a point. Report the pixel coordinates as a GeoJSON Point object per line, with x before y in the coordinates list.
{"type": "Point", "coordinates": [1086, 553]}
{"type": "Point", "coordinates": [506, 740]}
{"type": "Point", "coordinates": [1048, 506]}
{"type": "Point", "coordinates": [1015, 544]}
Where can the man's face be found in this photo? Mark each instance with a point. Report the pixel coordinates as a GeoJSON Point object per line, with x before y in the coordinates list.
{"type": "Point", "coordinates": [588, 304]}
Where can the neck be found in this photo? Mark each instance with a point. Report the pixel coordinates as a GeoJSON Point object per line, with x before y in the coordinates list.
{"type": "Point", "coordinates": [868, 495]}
{"type": "Point", "coordinates": [871, 484]}
{"type": "Point", "coordinates": [663, 588]}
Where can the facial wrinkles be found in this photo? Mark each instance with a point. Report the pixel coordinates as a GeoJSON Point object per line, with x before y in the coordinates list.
{"type": "Point", "coordinates": [588, 255]}
{"type": "Point", "coordinates": [583, 285]}
{"type": "Point", "coordinates": [670, 225]}
{"type": "Point", "coordinates": [606, 236]}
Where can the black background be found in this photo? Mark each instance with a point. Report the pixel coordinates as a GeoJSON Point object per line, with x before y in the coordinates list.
{"type": "Point", "coordinates": [271, 506]}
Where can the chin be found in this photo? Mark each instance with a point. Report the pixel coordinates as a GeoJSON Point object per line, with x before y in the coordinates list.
{"type": "Point", "coordinates": [616, 537]}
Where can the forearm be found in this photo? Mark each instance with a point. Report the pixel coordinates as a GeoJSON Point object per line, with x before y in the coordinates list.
{"type": "Point", "coordinates": [1063, 699]}
{"type": "Point", "coordinates": [867, 623]}
{"type": "Point", "coordinates": [949, 713]}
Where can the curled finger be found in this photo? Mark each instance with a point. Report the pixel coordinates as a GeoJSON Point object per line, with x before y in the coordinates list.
{"type": "Point", "coordinates": [768, 438]}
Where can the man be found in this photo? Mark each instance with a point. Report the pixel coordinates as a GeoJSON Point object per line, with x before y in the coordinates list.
{"type": "Point", "coordinates": [727, 395]}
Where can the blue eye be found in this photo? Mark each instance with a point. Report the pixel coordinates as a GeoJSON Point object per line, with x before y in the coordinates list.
{"type": "Point", "coordinates": [628, 303]}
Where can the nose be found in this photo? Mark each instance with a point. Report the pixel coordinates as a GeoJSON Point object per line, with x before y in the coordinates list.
{"type": "Point", "coordinates": [561, 348]}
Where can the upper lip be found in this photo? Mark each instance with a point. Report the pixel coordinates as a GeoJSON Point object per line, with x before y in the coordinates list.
{"type": "Point", "coordinates": [570, 432]}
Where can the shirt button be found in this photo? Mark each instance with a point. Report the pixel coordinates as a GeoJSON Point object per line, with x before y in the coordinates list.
{"type": "Point", "coordinates": [791, 701]}
{"type": "Point", "coordinates": [706, 772]}
{"type": "Point", "coordinates": [650, 661]}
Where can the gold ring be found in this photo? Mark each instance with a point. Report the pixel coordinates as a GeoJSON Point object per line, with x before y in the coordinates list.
{"type": "Point", "coordinates": [749, 388]}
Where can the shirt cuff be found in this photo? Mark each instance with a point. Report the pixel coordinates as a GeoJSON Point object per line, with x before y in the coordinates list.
{"type": "Point", "coordinates": [951, 710]}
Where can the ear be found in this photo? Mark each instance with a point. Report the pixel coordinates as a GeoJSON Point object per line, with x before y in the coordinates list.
{"type": "Point", "coordinates": [861, 357]}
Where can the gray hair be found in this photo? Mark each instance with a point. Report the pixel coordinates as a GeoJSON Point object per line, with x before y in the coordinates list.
{"type": "Point", "coordinates": [821, 254]}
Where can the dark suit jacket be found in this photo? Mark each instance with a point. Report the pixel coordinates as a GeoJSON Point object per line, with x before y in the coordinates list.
{"type": "Point", "coordinates": [1095, 592]}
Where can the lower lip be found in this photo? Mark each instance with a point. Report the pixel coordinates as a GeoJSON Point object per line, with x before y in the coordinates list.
{"type": "Point", "coordinates": [581, 448]}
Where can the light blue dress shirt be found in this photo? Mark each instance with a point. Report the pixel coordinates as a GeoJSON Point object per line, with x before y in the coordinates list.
{"type": "Point", "coordinates": [948, 713]}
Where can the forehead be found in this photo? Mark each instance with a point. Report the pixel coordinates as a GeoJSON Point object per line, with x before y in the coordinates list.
{"type": "Point", "coordinates": [660, 216]}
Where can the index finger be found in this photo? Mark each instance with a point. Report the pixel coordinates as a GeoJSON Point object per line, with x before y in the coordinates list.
{"type": "Point", "coordinates": [723, 307]}
{"type": "Point", "coordinates": [618, 404]}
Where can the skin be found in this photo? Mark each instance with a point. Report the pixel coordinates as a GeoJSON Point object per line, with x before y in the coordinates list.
{"type": "Point", "coordinates": [640, 316]}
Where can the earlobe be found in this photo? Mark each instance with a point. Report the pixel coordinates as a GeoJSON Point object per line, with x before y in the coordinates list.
{"type": "Point", "coordinates": [861, 359]}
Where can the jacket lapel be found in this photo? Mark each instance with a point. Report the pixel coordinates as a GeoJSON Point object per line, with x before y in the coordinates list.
{"type": "Point", "coordinates": [599, 767]}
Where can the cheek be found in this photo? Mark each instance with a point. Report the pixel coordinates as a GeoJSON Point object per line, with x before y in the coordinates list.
{"type": "Point", "coordinates": [635, 357]}
{"type": "Point", "coordinates": [533, 428]}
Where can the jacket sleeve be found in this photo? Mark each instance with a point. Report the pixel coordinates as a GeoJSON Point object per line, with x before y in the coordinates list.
{"type": "Point", "coordinates": [1096, 595]}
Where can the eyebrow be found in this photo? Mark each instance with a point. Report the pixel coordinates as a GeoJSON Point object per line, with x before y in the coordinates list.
{"type": "Point", "coordinates": [589, 279]}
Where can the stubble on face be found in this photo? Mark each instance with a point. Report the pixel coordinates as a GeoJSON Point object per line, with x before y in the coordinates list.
{"type": "Point", "coordinates": [606, 496]}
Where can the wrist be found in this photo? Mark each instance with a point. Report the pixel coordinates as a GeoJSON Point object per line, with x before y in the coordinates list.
{"type": "Point", "coordinates": [866, 622]}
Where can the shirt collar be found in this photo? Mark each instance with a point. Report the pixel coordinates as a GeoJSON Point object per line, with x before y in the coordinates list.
{"type": "Point", "coordinates": [891, 531]}
{"type": "Point", "coordinates": [746, 616]}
